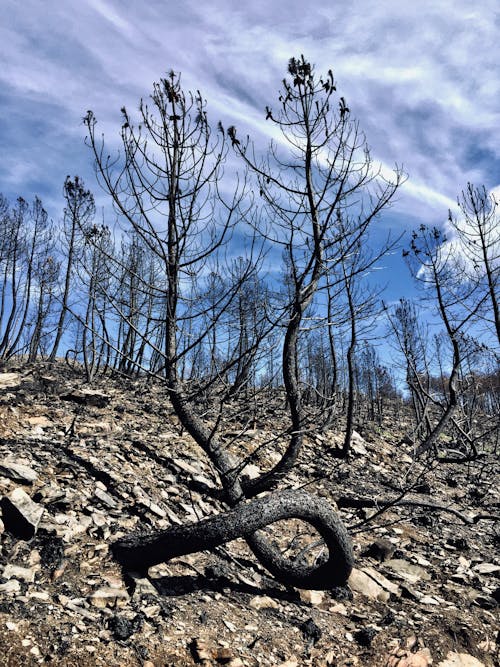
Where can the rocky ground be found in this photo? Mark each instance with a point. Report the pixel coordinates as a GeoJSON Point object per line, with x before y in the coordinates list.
{"type": "Point", "coordinates": [80, 468]}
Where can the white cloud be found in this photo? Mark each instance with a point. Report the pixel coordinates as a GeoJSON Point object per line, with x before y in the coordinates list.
{"type": "Point", "coordinates": [422, 78]}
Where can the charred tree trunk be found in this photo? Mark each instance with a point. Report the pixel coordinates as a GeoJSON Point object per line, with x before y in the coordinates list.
{"type": "Point", "coordinates": [138, 552]}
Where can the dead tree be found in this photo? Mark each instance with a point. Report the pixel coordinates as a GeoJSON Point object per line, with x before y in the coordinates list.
{"type": "Point", "coordinates": [167, 187]}
{"type": "Point", "coordinates": [78, 214]}
{"type": "Point", "coordinates": [411, 340]}
{"type": "Point", "coordinates": [25, 239]}
{"type": "Point", "coordinates": [322, 192]}
{"type": "Point", "coordinates": [478, 232]}
{"type": "Point", "coordinates": [433, 264]}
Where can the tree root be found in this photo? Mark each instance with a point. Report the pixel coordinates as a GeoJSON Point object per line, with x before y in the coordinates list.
{"type": "Point", "coordinates": [141, 551]}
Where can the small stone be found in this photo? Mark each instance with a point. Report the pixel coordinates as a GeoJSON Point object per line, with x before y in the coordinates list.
{"type": "Point", "coordinates": [185, 466]}
{"type": "Point", "coordinates": [313, 598]}
{"type": "Point", "coordinates": [411, 573]}
{"type": "Point", "coordinates": [77, 605]}
{"type": "Point", "coordinates": [152, 611]}
{"type": "Point", "coordinates": [49, 494]}
{"type": "Point", "coordinates": [486, 568]}
{"type": "Point", "coordinates": [263, 602]}
{"type": "Point", "coordinates": [230, 626]}
{"type": "Point", "coordinates": [382, 581]}
{"type": "Point", "coordinates": [338, 608]}
{"type": "Point", "coordinates": [21, 515]}
{"type": "Point", "coordinates": [41, 596]}
{"type": "Point", "coordinates": [41, 421]}
{"type": "Point", "coordinates": [9, 380]}
{"type": "Point", "coordinates": [99, 520]}
{"type": "Point", "coordinates": [141, 586]}
{"type": "Point", "coordinates": [105, 498]}
{"type": "Point", "coordinates": [429, 600]}
{"type": "Point", "coordinates": [10, 587]}
{"type": "Point", "coordinates": [360, 582]}
{"type": "Point", "coordinates": [156, 509]}
{"type": "Point", "coordinates": [109, 597]}
{"type": "Point", "coordinates": [16, 572]}
{"type": "Point", "coordinates": [251, 471]}
{"type": "Point", "coordinates": [358, 444]}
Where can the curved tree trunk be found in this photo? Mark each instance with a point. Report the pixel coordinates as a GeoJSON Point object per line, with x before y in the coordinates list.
{"type": "Point", "coordinates": [141, 551]}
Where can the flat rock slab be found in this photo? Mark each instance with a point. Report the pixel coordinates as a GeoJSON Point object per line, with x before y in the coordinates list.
{"type": "Point", "coordinates": [382, 581]}
{"type": "Point", "coordinates": [17, 572]}
{"type": "Point", "coordinates": [408, 571]}
{"type": "Point", "coordinates": [361, 582]}
{"type": "Point", "coordinates": [9, 380]}
{"type": "Point", "coordinates": [17, 471]}
{"type": "Point", "coordinates": [486, 568]}
{"type": "Point", "coordinates": [21, 515]}
{"type": "Point", "coordinates": [87, 397]}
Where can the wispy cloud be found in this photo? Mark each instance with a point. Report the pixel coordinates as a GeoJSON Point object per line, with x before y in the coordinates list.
{"type": "Point", "coordinates": [422, 78]}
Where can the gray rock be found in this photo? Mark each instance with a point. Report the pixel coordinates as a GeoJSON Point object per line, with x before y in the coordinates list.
{"type": "Point", "coordinates": [87, 397]}
{"type": "Point", "coordinates": [361, 582]}
{"type": "Point", "coordinates": [105, 498]}
{"type": "Point", "coordinates": [11, 587]}
{"type": "Point", "coordinates": [408, 571]}
{"type": "Point", "coordinates": [17, 572]}
{"type": "Point", "coordinates": [17, 471]}
{"type": "Point", "coordinates": [21, 515]}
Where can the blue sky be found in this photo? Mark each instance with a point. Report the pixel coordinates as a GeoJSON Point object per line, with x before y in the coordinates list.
{"type": "Point", "coordinates": [422, 78]}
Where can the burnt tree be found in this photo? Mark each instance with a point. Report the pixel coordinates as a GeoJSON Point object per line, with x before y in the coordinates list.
{"type": "Point", "coordinates": [167, 186]}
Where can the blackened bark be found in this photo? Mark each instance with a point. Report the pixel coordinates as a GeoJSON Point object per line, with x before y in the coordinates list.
{"type": "Point", "coordinates": [140, 551]}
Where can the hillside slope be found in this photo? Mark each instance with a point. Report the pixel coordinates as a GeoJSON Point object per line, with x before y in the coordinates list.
{"type": "Point", "coordinates": [98, 464]}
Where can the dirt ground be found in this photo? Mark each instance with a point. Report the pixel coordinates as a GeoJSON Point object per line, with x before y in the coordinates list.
{"type": "Point", "coordinates": [100, 464]}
